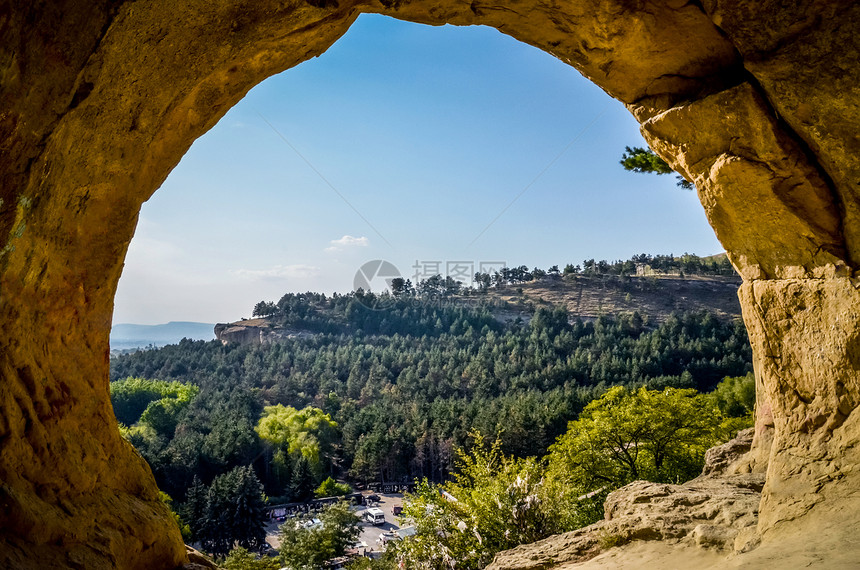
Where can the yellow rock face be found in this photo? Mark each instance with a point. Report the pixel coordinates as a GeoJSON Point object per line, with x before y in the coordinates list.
{"type": "Point", "coordinates": [805, 335]}
{"type": "Point", "coordinates": [756, 102]}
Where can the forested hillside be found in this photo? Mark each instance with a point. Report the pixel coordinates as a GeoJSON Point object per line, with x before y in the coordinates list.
{"type": "Point", "coordinates": [396, 388]}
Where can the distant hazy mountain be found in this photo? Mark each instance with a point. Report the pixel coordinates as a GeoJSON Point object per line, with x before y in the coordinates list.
{"type": "Point", "coordinates": [124, 336]}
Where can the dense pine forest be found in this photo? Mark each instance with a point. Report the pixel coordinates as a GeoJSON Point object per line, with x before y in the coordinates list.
{"type": "Point", "coordinates": [388, 391]}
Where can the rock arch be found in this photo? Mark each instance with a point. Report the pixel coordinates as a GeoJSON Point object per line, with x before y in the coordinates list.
{"type": "Point", "coordinates": [757, 102]}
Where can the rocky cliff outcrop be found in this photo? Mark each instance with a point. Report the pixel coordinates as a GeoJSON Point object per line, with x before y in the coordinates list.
{"type": "Point", "coordinates": [757, 102]}
{"type": "Point", "coordinates": [258, 331]}
{"type": "Point", "coordinates": [238, 334]}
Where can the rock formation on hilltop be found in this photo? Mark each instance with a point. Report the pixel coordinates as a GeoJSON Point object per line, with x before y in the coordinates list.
{"type": "Point", "coordinates": [255, 331]}
{"type": "Point", "coordinates": [757, 103]}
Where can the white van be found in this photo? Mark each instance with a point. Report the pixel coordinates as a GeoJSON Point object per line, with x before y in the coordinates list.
{"type": "Point", "coordinates": [374, 516]}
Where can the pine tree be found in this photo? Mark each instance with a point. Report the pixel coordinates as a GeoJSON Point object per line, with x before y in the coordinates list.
{"type": "Point", "coordinates": [234, 512]}
{"type": "Point", "coordinates": [250, 510]}
{"type": "Point", "coordinates": [193, 508]}
{"type": "Point", "coordinates": [282, 474]}
{"type": "Point", "coordinates": [303, 480]}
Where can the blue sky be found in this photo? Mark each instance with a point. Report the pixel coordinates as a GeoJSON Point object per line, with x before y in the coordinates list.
{"type": "Point", "coordinates": [405, 143]}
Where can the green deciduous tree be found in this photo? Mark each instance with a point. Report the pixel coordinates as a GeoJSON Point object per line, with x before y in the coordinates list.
{"type": "Point", "coordinates": [156, 403]}
{"type": "Point", "coordinates": [183, 527]}
{"type": "Point", "coordinates": [735, 396]}
{"type": "Point", "coordinates": [163, 415]}
{"type": "Point", "coordinates": [494, 502]}
{"type": "Point", "coordinates": [438, 543]}
{"type": "Point", "coordinates": [384, 562]}
{"type": "Point", "coordinates": [641, 434]}
{"type": "Point", "coordinates": [502, 497]}
{"type": "Point", "coordinates": [308, 432]}
{"type": "Point", "coordinates": [331, 488]}
{"type": "Point", "coordinates": [305, 546]}
{"type": "Point", "coordinates": [240, 559]}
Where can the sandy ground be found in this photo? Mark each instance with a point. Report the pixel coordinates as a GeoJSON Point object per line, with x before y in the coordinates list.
{"type": "Point", "coordinates": [652, 555]}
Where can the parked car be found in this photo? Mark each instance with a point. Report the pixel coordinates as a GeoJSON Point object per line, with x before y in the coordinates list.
{"type": "Point", "coordinates": [374, 516]}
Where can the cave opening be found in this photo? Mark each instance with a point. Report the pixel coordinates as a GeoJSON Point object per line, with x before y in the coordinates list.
{"type": "Point", "coordinates": [102, 99]}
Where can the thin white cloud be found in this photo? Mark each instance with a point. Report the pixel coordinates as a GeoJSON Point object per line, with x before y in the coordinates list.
{"type": "Point", "coordinates": [279, 272]}
{"type": "Point", "coordinates": [347, 241]}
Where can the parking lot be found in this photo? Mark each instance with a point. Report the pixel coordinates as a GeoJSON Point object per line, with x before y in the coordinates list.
{"type": "Point", "coordinates": [370, 534]}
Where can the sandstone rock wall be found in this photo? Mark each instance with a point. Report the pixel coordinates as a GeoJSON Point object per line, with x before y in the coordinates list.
{"type": "Point", "coordinates": [757, 102]}
{"type": "Point", "coordinates": [263, 332]}
{"type": "Point", "coordinates": [238, 334]}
